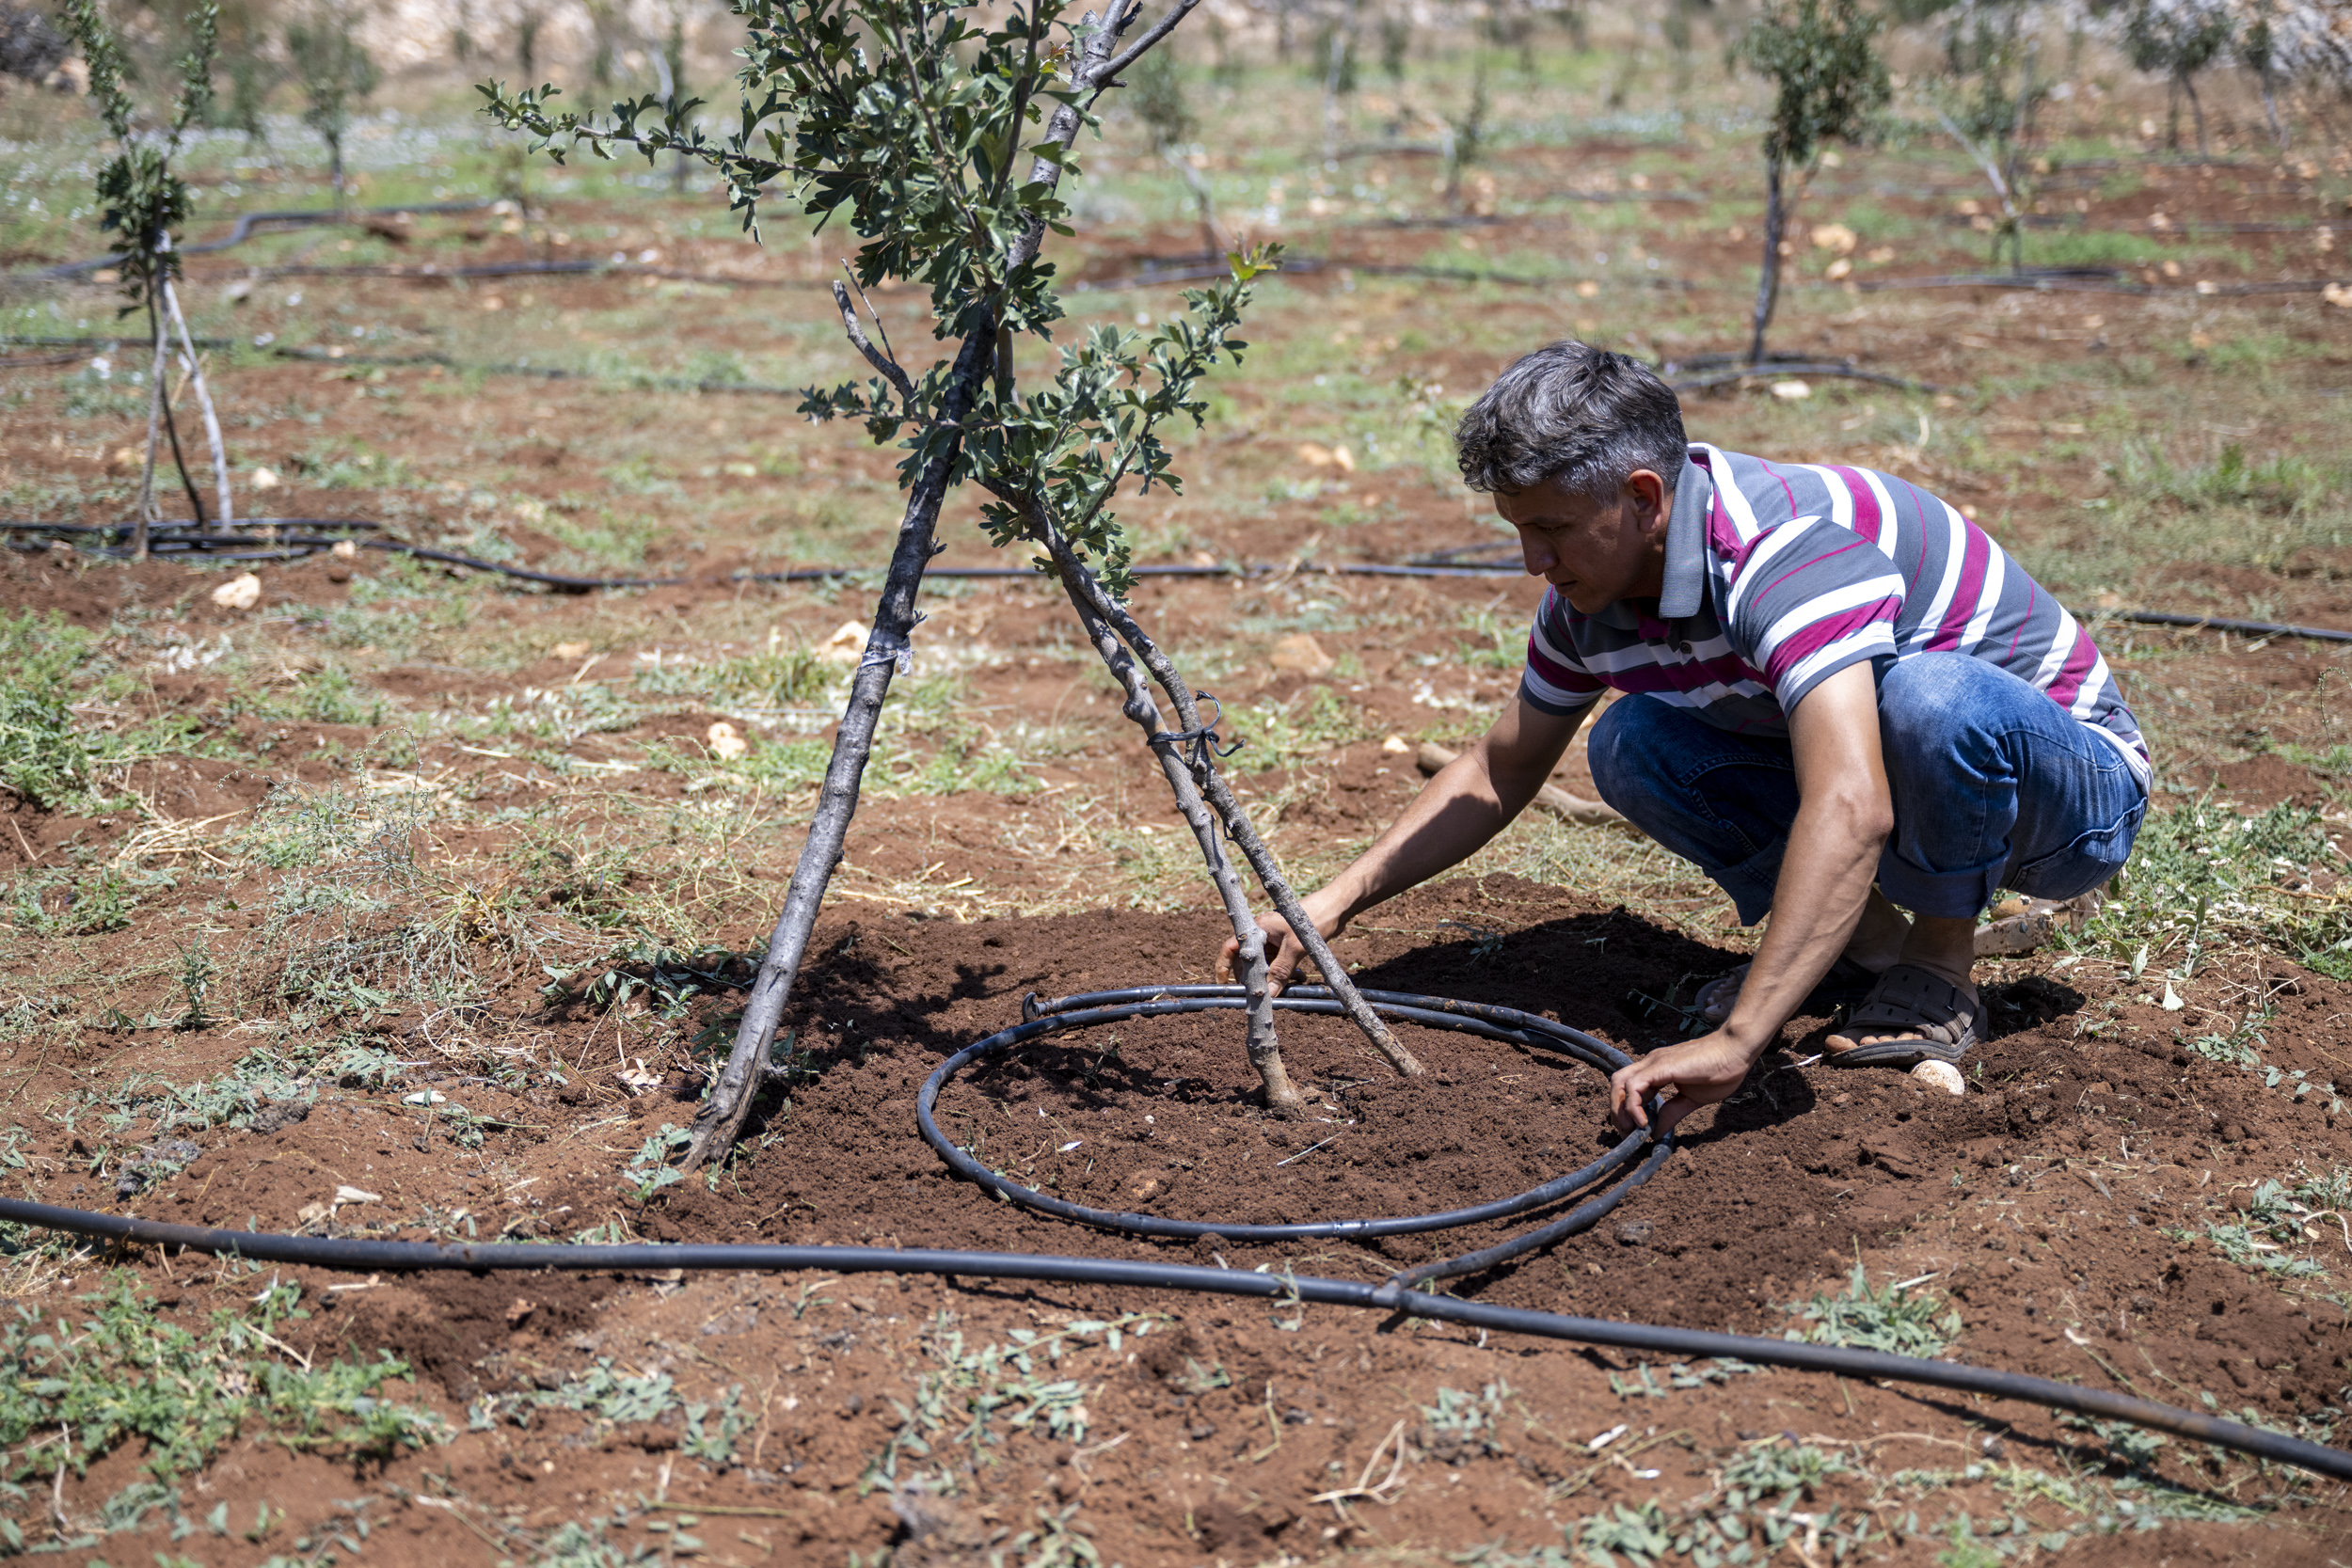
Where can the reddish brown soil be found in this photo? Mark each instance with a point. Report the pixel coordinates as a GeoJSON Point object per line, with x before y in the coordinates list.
{"type": "Point", "coordinates": [2062, 1202]}
{"type": "Point", "coordinates": [2073, 1157]}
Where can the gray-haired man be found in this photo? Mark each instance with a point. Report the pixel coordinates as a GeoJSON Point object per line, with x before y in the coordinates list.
{"type": "Point", "coordinates": [1843, 701]}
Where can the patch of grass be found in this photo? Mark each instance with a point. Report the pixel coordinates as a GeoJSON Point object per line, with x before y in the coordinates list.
{"type": "Point", "coordinates": [70, 1393]}
{"type": "Point", "coordinates": [2202, 874]}
{"type": "Point", "coordinates": [350, 465]}
{"type": "Point", "coordinates": [977, 1399]}
{"type": "Point", "coordinates": [44, 754]}
{"type": "Point", "coordinates": [1899, 1320]}
{"type": "Point", "coordinates": [63, 903]}
{"type": "Point", "coordinates": [709, 1429]}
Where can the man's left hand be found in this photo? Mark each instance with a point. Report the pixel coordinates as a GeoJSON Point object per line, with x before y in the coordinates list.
{"type": "Point", "coordinates": [1704, 1072]}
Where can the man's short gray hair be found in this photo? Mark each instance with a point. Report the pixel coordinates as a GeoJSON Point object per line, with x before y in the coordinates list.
{"type": "Point", "coordinates": [1582, 414]}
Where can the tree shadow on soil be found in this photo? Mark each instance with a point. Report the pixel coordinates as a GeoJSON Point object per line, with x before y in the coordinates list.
{"type": "Point", "coordinates": [1602, 973]}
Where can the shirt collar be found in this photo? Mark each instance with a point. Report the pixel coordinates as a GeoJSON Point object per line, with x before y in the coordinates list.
{"type": "Point", "coordinates": [1686, 545]}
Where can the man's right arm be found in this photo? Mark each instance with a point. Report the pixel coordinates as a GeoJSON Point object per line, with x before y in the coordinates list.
{"type": "Point", "coordinates": [1468, 802]}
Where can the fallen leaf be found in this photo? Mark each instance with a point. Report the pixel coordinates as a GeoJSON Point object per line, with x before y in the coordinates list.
{"type": "Point", "coordinates": [1834, 236]}
{"type": "Point", "coordinates": [523, 1307]}
{"type": "Point", "coordinates": [569, 650]}
{"type": "Point", "coordinates": [1838, 269]}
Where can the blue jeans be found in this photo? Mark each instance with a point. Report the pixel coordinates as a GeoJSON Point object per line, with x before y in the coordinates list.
{"type": "Point", "coordinates": [1994, 785]}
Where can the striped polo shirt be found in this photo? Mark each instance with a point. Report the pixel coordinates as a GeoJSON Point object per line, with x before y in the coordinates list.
{"type": "Point", "coordinates": [1779, 575]}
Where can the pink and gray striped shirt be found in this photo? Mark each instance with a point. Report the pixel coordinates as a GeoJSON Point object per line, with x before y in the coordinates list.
{"type": "Point", "coordinates": [1779, 575]}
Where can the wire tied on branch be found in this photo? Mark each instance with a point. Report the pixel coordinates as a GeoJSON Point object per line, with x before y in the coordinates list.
{"type": "Point", "coordinates": [1198, 744]}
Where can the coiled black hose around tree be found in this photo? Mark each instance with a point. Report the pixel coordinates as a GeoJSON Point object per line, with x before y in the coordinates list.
{"type": "Point", "coordinates": [1527, 1030]}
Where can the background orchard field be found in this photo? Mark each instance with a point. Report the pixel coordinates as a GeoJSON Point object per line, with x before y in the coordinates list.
{"type": "Point", "coordinates": [411, 900]}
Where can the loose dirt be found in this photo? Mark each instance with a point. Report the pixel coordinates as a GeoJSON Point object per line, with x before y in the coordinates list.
{"type": "Point", "coordinates": [2047, 1201]}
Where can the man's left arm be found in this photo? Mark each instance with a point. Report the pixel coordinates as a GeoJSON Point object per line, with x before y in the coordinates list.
{"type": "Point", "coordinates": [1844, 813]}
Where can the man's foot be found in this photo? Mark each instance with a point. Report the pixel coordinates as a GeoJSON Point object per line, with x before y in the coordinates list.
{"type": "Point", "coordinates": [1924, 1009]}
{"type": "Point", "coordinates": [1911, 1016]}
{"type": "Point", "coordinates": [1877, 945]}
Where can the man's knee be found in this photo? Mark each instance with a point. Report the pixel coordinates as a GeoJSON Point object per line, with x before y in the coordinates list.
{"type": "Point", "coordinates": [1933, 699]}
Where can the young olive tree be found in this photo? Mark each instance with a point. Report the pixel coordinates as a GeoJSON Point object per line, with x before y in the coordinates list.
{"type": "Point", "coordinates": [2177, 39]}
{"type": "Point", "coordinates": [142, 201]}
{"type": "Point", "coordinates": [1829, 84]}
{"type": "Point", "coordinates": [337, 75]}
{"type": "Point", "coordinates": [941, 134]}
{"type": "Point", "coordinates": [1987, 104]}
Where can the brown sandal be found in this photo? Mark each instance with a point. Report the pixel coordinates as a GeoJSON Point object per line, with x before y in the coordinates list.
{"type": "Point", "coordinates": [1908, 999]}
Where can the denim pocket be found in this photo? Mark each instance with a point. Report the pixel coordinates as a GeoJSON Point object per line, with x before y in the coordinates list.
{"type": "Point", "coordinates": [2086, 864]}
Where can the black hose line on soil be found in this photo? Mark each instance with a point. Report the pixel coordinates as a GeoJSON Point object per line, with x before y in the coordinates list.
{"type": "Point", "coordinates": [1680, 1344]}
{"type": "Point", "coordinates": [1396, 1294]}
{"type": "Point", "coordinates": [179, 536]}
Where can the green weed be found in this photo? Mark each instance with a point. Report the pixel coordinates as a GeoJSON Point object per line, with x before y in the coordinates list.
{"type": "Point", "coordinates": [71, 1394]}
{"type": "Point", "coordinates": [978, 1398]}
{"type": "Point", "coordinates": [1461, 1426]}
{"type": "Point", "coordinates": [1903, 1322]}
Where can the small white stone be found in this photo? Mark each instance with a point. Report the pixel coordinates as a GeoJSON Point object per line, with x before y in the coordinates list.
{"type": "Point", "coordinates": [242, 592]}
{"type": "Point", "coordinates": [1793, 391]}
{"type": "Point", "coordinates": [726, 743]}
{"type": "Point", "coordinates": [1941, 1075]}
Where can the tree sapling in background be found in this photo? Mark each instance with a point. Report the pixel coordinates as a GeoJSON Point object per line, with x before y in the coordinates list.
{"type": "Point", "coordinates": [1829, 84]}
{"type": "Point", "coordinates": [336, 75]}
{"type": "Point", "coordinates": [143, 200]}
{"type": "Point", "coordinates": [1988, 104]}
{"type": "Point", "coordinates": [2177, 38]}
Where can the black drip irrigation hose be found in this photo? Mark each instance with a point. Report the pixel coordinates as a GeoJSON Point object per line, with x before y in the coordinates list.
{"type": "Point", "coordinates": [178, 536]}
{"type": "Point", "coordinates": [1507, 1024]}
{"type": "Point", "coordinates": [1394, 1295]}
{"type": "Point", "coordinates": [247, 222]}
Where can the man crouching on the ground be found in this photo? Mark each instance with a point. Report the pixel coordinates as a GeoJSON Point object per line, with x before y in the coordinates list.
{"type": "Point", "coordinates": [1833, 680]}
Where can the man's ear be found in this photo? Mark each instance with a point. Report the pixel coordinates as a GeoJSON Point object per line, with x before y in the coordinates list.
{"type": "Point", "coordinates": [1647, 491]}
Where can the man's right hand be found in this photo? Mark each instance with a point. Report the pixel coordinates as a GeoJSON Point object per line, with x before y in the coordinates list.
{"type": "Point", "coordinates": [1283, 951]}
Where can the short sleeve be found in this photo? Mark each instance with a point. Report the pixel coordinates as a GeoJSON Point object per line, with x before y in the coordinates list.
{"type": "Point", "coordinates": [1810, 599]}
{"type": "Point", "coordinates": [1556, 681]}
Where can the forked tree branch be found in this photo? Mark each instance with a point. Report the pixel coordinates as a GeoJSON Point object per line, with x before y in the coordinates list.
{"type": "Point", "coordinates": [889, 369]}
{"type": "Point", "coordinates": [1220, 794]}
{"type": "Point", "coordinates": [1264, 1049]}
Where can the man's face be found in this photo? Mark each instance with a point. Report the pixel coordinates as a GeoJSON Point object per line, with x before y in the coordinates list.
{"type": "Point", "coordinates": [1594, 551]}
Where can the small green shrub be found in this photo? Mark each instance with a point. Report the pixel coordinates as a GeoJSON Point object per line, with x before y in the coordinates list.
{"type": "Point", "coordinates": [1892, 1319]}
{"type": "Point", "coordinates": [72, 1393]}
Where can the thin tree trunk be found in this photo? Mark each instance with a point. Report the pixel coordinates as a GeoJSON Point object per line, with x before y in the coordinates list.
{"type": "Point", "coordinates": [1220, 796]}
{"type": "Point", "coordinates": [1264, 1049]}
{"type": "Point", "coordinates": [1768, 283]}
{"type": "Point", "coordinates": [203, 403]}
{"type": "Point", "coordinates": [1334, 66]}
{"type": "Point", "coordinates": [2270, 111]}
{"type": "Point", "coordinates": [146, 509]}
{"type": "Point", "coordinates": [180, 461]}
{"type": "Point", "coordinates": [1218, 244]}
{"type": "Point", "coordinates": [728, 1105]}
{"type": "Point", "coordinates": [2197, 109]}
